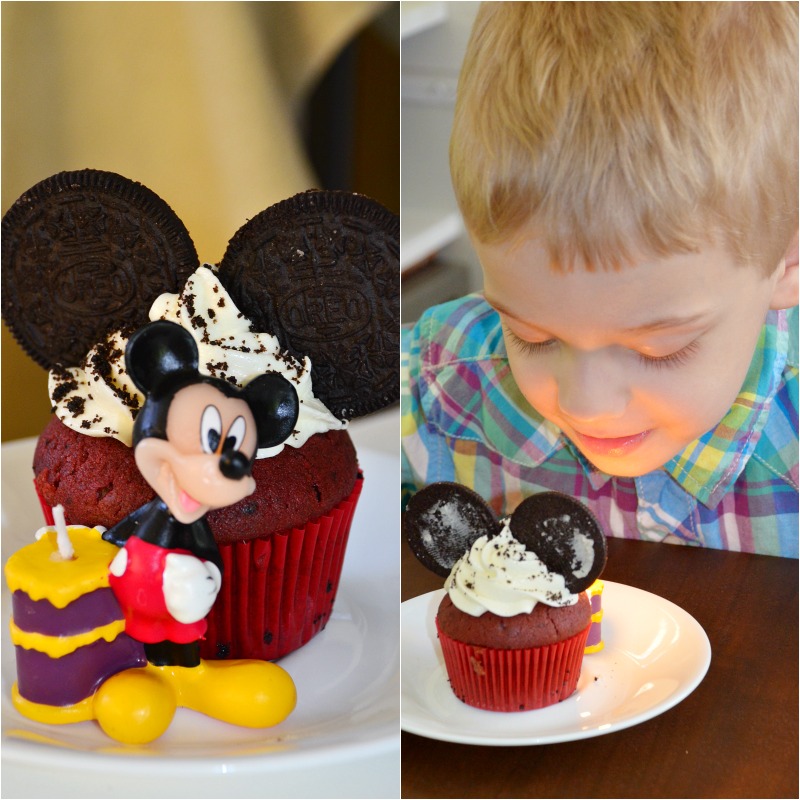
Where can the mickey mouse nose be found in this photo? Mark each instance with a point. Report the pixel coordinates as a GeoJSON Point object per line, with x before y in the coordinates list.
{"type": "Point", "coordinates": [234, 465]}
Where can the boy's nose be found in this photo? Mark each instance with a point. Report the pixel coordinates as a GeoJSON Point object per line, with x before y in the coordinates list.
{"type": "Point", "coordinates": [591, 388]}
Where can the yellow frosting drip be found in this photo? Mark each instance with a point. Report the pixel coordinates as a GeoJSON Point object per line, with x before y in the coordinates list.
{"type": "Point", "coordinates": [40, 572]}
{"type": "Point", "coordinates": [53, 715]}
{"type": "Point", "coordinates": [596, 588]}
{"type": "Point", "coordinates": [58, 646]}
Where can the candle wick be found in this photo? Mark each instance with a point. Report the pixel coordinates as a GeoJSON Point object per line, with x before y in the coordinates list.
{"type": "Point", "coordinates": [65, 548]}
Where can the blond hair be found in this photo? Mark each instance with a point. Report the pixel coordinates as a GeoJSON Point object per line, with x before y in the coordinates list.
{"type": "Point", "coordinates": [616, 127]}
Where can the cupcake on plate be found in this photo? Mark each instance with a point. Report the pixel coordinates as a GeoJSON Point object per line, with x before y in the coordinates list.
{"type": "Point", "coordinates": [515, 618]}
{"type": "Point", "coordinates": [308, 288]}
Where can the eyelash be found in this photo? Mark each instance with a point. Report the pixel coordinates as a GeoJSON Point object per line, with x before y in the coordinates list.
{"type": "Point", "coordinates": [675, 359]}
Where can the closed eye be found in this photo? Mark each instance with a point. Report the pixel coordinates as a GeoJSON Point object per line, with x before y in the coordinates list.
{"type": "Point", "coordinates": [675, 359]}
{"type": "Point", "coordinates": [528, 348]}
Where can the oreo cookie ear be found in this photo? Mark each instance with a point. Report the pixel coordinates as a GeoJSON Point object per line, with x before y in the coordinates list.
{"type": "Point", "coordinates": [442, 521]}
{"type": "Point", "coordinates": [275, 405]}
{"type": "Point", "coordinates": [158, 350]}
{"type": "Point", "coordinates": [321, 272]}
{"type": "Point", "coordinates": [85, 253]}
{"type": "Point", "coordinates": [564, 534]}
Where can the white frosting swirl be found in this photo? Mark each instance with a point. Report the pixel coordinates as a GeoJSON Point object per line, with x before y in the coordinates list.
{"type": "Point", "coordinates": [97, 398]}
{"type": "Point", "coordinates": [500, 575]}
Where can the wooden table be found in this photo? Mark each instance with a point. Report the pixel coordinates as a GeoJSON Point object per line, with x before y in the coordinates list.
{"type": "Point", "coordinates": [736, 735]}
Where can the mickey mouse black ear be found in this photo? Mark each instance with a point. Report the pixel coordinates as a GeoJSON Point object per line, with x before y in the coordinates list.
{"type": "Point", "coordinates": [565, 536]}
{"type": "Point", "coordinates": [442, 521]}
{"type": "Point", "coordinates": [275, 406]}
{"type": "Point", "coordinates": [158, 350]}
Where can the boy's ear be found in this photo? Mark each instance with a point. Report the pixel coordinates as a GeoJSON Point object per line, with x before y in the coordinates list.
{"type": "Point", "coordinates": [785, 293]}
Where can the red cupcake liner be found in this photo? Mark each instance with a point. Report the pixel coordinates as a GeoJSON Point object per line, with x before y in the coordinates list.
{"type": "Point", "coordinates": [47, 511]}
{"type": "Point", "coordinates": [497, 679]}
{"type": "Point", "coordinates": [278, 591]}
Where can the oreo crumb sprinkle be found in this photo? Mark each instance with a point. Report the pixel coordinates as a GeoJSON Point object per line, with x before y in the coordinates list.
{"type": "Point", "coordinates": [188, 300]}
{"type": "Point", "coordinates": [76, 406]}
{"type": "Point", "coordinates": [63, 389]}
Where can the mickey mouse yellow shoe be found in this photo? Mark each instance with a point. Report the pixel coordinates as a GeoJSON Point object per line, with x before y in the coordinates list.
{"type": "Point", "coordinates": [137, 705]}
{"type": "Point", "coordinates": [254, 694]}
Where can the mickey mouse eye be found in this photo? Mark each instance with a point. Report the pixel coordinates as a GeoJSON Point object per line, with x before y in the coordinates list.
{"type": "Point", "coordinates": [235, 437]}
{"type": "Point", "coordinates": [210, 429]}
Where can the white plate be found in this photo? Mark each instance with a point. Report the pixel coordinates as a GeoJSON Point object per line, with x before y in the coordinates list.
{"type": "Point", "coordinates": [655, 654]}
{"type": "Point", "coordinates": [342, 740]}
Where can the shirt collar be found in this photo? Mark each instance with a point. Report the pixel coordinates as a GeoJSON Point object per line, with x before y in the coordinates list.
{"type": "Point", "coordinates": [710, 465]}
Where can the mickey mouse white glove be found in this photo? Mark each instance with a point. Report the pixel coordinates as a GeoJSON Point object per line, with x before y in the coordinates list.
{"type": "Point", "coordinates": [190, 586]}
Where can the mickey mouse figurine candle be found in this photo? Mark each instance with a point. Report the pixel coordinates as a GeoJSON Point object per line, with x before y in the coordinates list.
{"type": "Point", "coordinates": [194, 442]}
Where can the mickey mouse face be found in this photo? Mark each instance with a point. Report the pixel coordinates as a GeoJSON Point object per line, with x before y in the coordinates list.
{"type": "Point", "coordinates": [205, 460]}
{"type": "Point", "coordinates": [443, 520]}
{"type": "Point", "coordinates": [196, 437]}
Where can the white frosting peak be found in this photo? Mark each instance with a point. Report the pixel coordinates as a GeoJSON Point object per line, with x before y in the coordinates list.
{"type": "Point", "coordinates": [500, 575]}
{"type": "Point", "coordinates": [97, 398]}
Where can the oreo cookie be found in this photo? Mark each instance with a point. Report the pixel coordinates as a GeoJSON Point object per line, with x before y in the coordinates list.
{"type": "Point", "coordinates": [442, 521]}
{"type": "Point", "coordinates": [321, 271]}
{"type": "Point", "coordinates": [565, 536]}
{"type": "Point", "coordinates": [84, 253]}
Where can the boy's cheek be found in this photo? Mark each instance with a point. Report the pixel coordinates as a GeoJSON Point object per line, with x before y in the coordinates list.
{"type": "Point", "coordinates": [538, 386]}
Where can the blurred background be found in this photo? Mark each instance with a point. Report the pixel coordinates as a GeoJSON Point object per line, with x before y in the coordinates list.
{"type": "Point", "coordinates": [437, 261]}
{"type": "Point", "coordinates": [221, 108]}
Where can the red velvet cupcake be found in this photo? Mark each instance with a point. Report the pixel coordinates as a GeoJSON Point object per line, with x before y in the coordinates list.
{"type": "Point", "coordinates": [283, 546]}
{"type": "Point", "coordinates": [308, 288]}
{"type": "Point", "coordinates": [514, 623]}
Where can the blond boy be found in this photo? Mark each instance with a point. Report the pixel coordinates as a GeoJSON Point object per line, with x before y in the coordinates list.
{"type": "Point", "coordinates": [627, 173]}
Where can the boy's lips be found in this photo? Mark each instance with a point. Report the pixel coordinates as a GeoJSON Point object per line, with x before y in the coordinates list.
{"type": "Point", "coordinates": [611, 446]}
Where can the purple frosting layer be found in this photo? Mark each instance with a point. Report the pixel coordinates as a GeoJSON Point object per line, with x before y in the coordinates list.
{"type": "Point", "coordinates": [87, 612]}
{"type": "Point", "coordinates": [71, 678]}
{"type": "Point", "coordinates": [595, 634]}
{"type": "Point", "coordinates": [596, 630]}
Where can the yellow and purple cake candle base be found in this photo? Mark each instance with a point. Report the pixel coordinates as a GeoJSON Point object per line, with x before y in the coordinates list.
{"type": "Point", "coordinates": [67, 628]}
{"type": "Point", "coordinates": [595, 643]}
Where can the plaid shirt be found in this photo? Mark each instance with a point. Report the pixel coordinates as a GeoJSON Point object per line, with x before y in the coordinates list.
{"type": "Point", "coordinates": [465, 420]}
